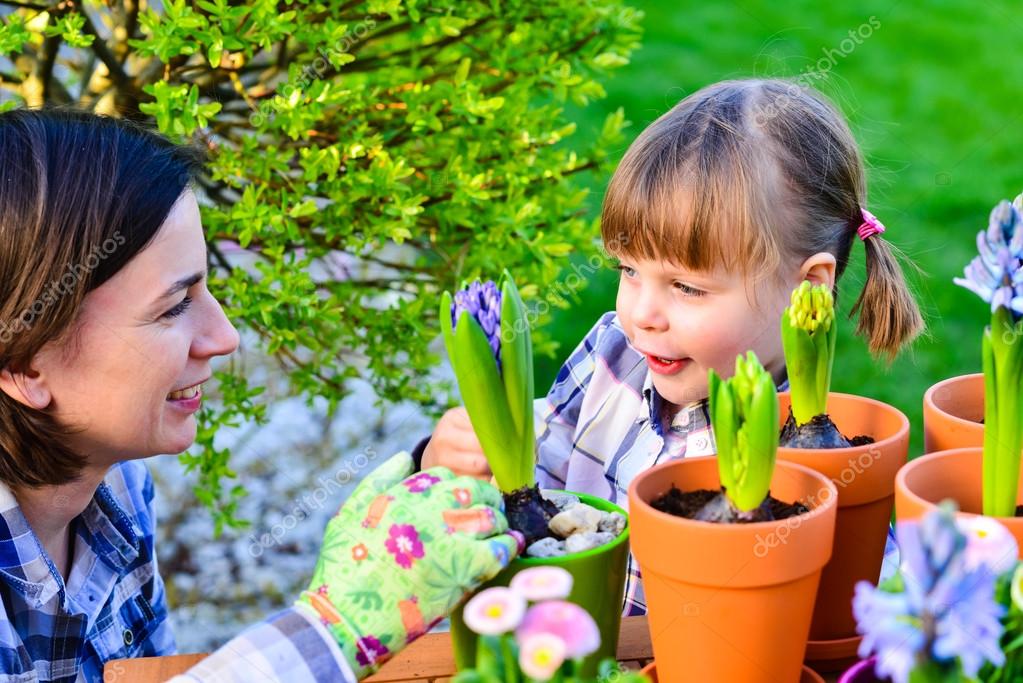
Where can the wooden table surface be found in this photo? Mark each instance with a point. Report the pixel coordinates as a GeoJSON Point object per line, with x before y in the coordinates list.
{"type": "Point", "coordinates": [429, 658]}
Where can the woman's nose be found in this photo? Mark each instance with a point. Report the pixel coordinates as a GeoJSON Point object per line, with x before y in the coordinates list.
{"type": "Point", "coordinates": [218, 336]}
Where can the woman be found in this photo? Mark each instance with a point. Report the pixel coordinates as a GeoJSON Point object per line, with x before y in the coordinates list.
{"type": "Point", "coordinates": [107, 330]}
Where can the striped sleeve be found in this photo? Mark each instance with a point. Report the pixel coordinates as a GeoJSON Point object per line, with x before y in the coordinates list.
{"type": "Point", "coordinates": [291, 646]}
{"type": "Point", "coordinates": [557, 415]}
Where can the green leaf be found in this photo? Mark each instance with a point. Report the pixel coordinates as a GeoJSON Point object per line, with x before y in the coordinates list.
{"type": "Point", "coordinates": [744, 415]}
{"type": "Point", "coordinates": [1002, 354]}
{"type": "Point", "coordinates": [485, 401]}
{"type": "Point", "coordinates": [517, 368]}
{"type": "Point", "coordinates": [306, 208]}
{"type": "Point", "coordinates": [214, 52]}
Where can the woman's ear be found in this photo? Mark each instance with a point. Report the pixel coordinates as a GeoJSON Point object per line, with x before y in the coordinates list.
{"type": "Point", "coordinates": [26, 387]}
{"type": "Point", "coordinates": [819, 269]}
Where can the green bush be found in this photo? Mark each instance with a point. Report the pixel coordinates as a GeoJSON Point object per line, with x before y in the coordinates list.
{"type": "Point", "coordinates": [368, 154]}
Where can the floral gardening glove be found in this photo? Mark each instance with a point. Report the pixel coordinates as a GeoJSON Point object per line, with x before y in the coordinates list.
{"type": "Point", "coordinates": [401, 553]}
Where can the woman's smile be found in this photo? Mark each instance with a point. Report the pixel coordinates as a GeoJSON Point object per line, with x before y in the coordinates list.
{"type": "Point", "coordinates": [188, 399]}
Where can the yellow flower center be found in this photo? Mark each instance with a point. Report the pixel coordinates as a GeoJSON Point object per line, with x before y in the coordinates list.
{"type": "Point", "coordinates": [495, 611]}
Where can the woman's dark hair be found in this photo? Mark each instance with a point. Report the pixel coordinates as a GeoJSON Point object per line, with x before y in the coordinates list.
{"type": "Point", "coordinates": [80, 196]}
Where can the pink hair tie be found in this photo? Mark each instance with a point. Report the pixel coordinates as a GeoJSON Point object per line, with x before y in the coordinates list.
{"type": "Point", "coordinates": [869, 226]}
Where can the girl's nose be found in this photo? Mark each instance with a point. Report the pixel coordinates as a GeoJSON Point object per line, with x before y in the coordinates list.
{"type": "Point", "coordinates": [648, 310]}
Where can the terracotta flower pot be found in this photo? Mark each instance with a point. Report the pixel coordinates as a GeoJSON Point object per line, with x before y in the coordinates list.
{"type": "Point", "coordinates": [598, 585]}
{"type": "Point", "coordinates": [865, 478]}
{"type": "Point", "coordinates": [862, 672]}
{"type": "Point", "coordinates": [730, 602]}
{"type": "Point", "coordinates": [953, 414]}
{"type": "Point", "coordinates": [806, 675]}
{"type": "Point", "coordinates": [955, 474]}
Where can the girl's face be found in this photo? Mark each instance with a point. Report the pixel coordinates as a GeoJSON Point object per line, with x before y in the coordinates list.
{"type": "Point", "coordinates": [148, 332]}
{"type": "Point", "coordinates": [686, 323]}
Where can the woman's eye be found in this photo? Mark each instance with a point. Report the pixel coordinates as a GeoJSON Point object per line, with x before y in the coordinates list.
{"type": "Point", "coordinates": [179, 309]}
{"type": "Point", "coordinates": [629, 272]}
{"type": "Point", "coordinates": [687, 290]}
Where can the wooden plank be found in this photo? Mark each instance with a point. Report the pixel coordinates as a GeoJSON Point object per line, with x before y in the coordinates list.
{"type": "Point", "coordinates": [146, 669]}
{"type": "Point", "coordinates": [430, 658]}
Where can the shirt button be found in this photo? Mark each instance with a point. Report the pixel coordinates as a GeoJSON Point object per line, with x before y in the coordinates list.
{"type": "Point", "coordinates": [128, 637]}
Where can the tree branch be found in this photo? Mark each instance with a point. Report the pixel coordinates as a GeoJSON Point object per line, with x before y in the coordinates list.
{"type": "Point", "coordinates": [131, 24]}
{"type": "Point", "coordinates": [27, 5]}
{"type": "Point", "coordinates": [121, 80]}
{"type": "Point", "coordinates": [377, 61]}
{"type": "Point", "coordinates": [44, 67]}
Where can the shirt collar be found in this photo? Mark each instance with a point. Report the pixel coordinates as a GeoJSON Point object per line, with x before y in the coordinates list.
{"type": "Point", "coordinates": [692, 415]}
{"type": "Point", "coordinates": [108, 531]}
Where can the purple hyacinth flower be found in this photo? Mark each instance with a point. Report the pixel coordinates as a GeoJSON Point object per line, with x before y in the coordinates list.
{"type": "Point", "coordinates": [996, 275]}
{"type": "Point", "coordinates": [483, 302]}
{"type": "Point", "coordinates": [945, 611]}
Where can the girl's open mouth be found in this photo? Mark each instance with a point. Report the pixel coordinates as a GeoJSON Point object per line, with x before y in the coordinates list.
{"type": "Point", "coordinates": [666, 366]}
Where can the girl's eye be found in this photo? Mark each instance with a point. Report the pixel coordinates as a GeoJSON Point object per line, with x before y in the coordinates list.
{"type": "Point", "coordinates": [179, 309]}
{"type": "Point", "coordinates": [687, 290]}
{"type": "Point", "coordinates": [629, 272]}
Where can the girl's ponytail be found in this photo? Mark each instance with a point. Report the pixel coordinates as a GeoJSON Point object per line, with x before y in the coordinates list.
{"type": "Point", "coordinates": [888, 314]}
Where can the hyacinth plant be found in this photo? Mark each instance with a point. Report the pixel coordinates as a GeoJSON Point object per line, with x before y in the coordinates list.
{"type": "Point", "coordinates": [808, 334]}
{"type": "Point", "coordinates": [545, 641]}
{"type": "Point", "coordinates": [744, 415]}
{"type": "Point", "coordinates": [952, 611]}
{"type": "Point", "coordinates": [997, 277]}
{"type": "Point", "coordinates": [488, 341]}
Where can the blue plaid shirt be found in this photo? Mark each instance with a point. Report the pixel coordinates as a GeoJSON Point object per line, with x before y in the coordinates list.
{"type": "Point", "coordinates": [113, 604]}
{"type": "Point", "coordinates": [600, 426]}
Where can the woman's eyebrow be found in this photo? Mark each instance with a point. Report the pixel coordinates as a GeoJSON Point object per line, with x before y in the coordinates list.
{"type": "Point", "coordinates": [183, 283]}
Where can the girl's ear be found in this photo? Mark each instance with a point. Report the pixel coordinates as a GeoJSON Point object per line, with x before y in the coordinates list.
{"type": "Point", "coordinates": [819, 269]}
{"type": "Point", "coordinates": [26, 387]}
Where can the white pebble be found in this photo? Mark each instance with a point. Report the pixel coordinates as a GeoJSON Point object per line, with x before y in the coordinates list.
{"type": "Point", "coordinates": [578, 519]}
{"type": "Point", "coordinates": [613, 522]}
{"type": "Point", "coordinates": [577, 543]}
{"type": "Point", "coordinates": [562, 501]}
{"type": "Point", "coordinates": [546, 547]}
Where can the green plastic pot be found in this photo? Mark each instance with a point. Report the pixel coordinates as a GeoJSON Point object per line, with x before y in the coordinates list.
{"type": "Point", "coordinates": [598, 586]}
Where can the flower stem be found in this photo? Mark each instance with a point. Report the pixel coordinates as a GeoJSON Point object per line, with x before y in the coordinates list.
{"type": "Point", "coordinates": [1003, 413]}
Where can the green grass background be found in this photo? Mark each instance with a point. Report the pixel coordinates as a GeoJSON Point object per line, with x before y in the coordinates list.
{"type": "Point", "coordinates": [934, 98]}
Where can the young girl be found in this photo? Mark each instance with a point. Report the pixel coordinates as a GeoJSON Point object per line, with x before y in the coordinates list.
{"type": "Point", "coordinates": [717, 212]}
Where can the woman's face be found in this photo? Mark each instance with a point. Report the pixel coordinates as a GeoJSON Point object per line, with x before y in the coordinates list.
{"type": "Point", "coordinates": [144, 335]}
